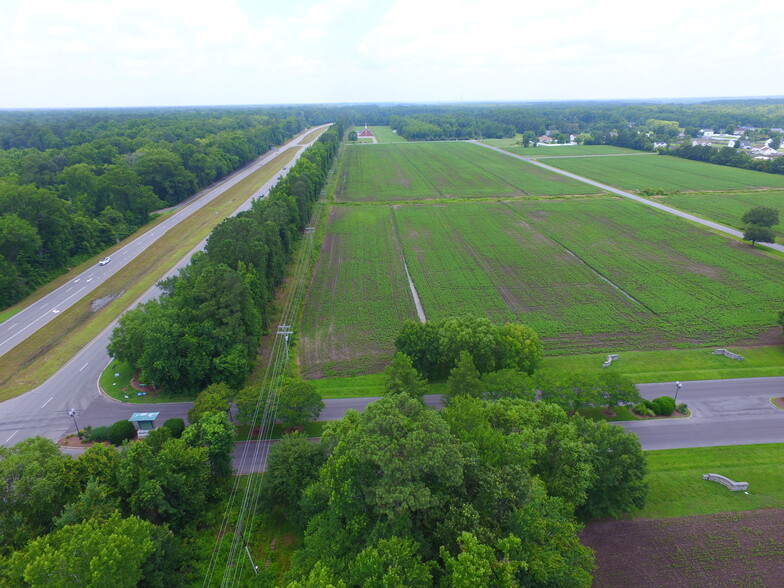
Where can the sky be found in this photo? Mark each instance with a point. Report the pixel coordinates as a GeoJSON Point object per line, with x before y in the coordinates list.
{"type": "Point", "coordinates": [107, 53]}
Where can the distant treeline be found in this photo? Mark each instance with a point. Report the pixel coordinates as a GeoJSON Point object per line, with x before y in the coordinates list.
{"type": "Point", "coordinates": [73, 183]}
{"type": "Point", "coordinates": [206, 326]}
{"type": "Point", "coordinates": [727, 156]}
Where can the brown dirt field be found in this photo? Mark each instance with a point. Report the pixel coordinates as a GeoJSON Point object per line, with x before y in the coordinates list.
{"type": "Point", "coordinates": [722, 550]}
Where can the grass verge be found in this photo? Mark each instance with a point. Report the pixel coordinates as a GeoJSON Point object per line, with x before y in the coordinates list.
{"type": "Point", "coordinates": [645, 367]}
{"type": "Point", "coordinates": [39, 356]}
{"type": "Point", "coordinates": [677, 488]}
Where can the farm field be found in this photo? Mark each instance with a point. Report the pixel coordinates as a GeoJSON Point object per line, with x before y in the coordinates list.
{"type": "Point", "coordinates": [561, 150]}
{"type": "Point", "coordinates": [422, 171]}
{"type": "Point", "coordinates": [382, 134]}
{"type": "Point", "coordinates": [358, 297]}
{"type": "Point", "coordinates": [728, 208]}
{"type": "Point", "coordinates": [729, 549]}
{"type": "Point", "coordinates": [590, 275]}
{"type": "Point", "coordinates": [666, 172]}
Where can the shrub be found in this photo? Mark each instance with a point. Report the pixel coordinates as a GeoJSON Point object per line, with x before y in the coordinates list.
{"type": "Point", "coordinates": [98, 434]}
{"type": "Point", "coordinates": [664, 405]}
{"type": "Point", "coordinates": [642, 410]}
{"type": "Point", "coordinates": [682, 408]}
{"type": "Point", "coordinates": [120, 431]}
{"type": "Point", "coordinates": [175, 426]}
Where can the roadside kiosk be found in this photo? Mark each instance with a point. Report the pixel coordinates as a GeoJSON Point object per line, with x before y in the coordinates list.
{"type": "Point", "coordinates": [144, 421]}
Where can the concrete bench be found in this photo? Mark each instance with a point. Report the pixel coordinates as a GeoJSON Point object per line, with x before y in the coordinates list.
{"type": "Point", "coordinates": [727, 353]}
{"type": "Point", "coordinates": [610, 358]}
{"type": "Point", "coordinates": [725, 481]}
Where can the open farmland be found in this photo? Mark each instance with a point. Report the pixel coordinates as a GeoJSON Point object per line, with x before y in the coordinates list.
{"type": "Point", "coordinates": [560, 150]}
{"type": "Point", "coordinates": [728, 208]}
{"type": "Point", "coordinates": [666, 172]}
{"type": "Point", "coordinates": [423, 171]}
{"type": "Point", "coordinates": [358, 297]}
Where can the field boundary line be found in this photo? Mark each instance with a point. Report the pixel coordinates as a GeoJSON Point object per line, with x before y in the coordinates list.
{"type": "Point", "coordinates": [673, 211]}
{"type": "Point", "coordinates": [415, 295]}
{"type": "Point", "coordinates": [585, 263]}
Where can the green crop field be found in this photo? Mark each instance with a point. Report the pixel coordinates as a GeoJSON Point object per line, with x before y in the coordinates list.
{"type": "Point", "coordinates": [358, 297]}
{"type": "Point", "coordinates": [666, 172]}
{"type": "Point", "coordinates": [590, 275]}
{"type": "Point", "coordinates": [420, 171]}
{"type": "Point", "coordinates": [728, 208]}
{"type": "Point", "coordinates": [561, 150]}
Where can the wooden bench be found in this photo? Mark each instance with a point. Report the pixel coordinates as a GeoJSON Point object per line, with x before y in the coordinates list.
{"type": "Point", "coordinates": [727, 353]}
{"type": "Point", "coordinates": [725, 481]}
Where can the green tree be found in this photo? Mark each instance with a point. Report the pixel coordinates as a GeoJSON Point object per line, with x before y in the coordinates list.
{"type": "Point", "coordinates": [518, 346]}
{"type": "Point", "coordinates": [393, 562]}
{"type": "Point", "coordinates": [464, 378]}
{"type": "Point", "coordinates": [402, 378]}
{"type": "Point", "coordinates": [479, 565]}
{"type": "Point", "coordinates": [214, 398]}
{"type": "Point", "coordinates": [762, 216]}
{"type": "Point", "coordinates": [292, 464]}
{"type": "Point", "coordinates": [298, 403]}
{"type": "Point", "coordinates": [217, 434]}
{"type": "Point", "coordinates": [250, 402]}
{"type": "Point", "coordinates": [614, 389]}
{"type": "Point", "coordinates": [507, 383]}
{"type": "Point", "coordinates": [570, 391]}
{"type": "Point", "coordinates": [96, 553]}
{"type": "Point", "coordinates": [619, 466]}
{"type": "Point", "coordinates": [755, 233]}
{"type": "Point", "coordinates": [35, 484]}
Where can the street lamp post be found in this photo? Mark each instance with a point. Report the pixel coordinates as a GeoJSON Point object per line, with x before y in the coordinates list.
{"type": "Point", "coordinates": [72, 414]}
{"type": "Point", "coordinates": [678, 386]}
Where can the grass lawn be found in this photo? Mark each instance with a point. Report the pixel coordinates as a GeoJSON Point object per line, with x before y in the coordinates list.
{"type": "Point", "coordinates": [382, 134]}
{"type": "Point", "coordinates": [645, 367]}
{"type": "Point", "coordinates": [115, 381]}
{"type": "Point", "coordinates": [561, 150]}
{"type": "Point", "coordinates": [362, 386]}
{"type": "Point", "coordinates": [677, 488]}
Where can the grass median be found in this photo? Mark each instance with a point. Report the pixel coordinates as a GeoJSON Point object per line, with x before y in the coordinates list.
{"type": "Point", "coordinates": [39, 356]}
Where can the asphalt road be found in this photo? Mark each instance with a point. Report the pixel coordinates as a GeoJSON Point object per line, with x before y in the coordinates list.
{"type": "Point", "coordinates": [630, 196]}
{"type": "Point", "coordinates": [37, 315]}
{"type": "Point", "coordinates": [44, 410]}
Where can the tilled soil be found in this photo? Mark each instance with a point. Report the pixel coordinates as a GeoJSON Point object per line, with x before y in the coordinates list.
{"type": "Point", "coordinates": [728, 549]}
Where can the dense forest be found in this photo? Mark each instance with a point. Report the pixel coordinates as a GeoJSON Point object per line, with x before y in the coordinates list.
{"type": "Point", "coordinates": [73, 183]}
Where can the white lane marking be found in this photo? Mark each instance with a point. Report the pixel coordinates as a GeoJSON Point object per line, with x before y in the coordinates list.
{"type": "Point", "coordinates": [84, 366]}
{"type": "Point", "coordinates": [89, 279]}
{"type": "Point", "coordinates": [31, 323]}
{"type": "Point", "coordinates": [54, 310]}
{"type": "Point", "coordinates": [12, 434]}
{"type": "Point", "coordinates": [47, 402]}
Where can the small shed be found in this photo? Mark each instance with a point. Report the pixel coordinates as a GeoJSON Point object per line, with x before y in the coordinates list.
{"type": "Point", "coordinates": [144, 421]}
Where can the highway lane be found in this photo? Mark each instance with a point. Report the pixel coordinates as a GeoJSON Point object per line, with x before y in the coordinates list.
{"type": "Point", "coordinates": [44, 410]}
{"type": "Point", "coordinates": [37, 315]}
{"type": "Point", "coordinates": [630, 196]}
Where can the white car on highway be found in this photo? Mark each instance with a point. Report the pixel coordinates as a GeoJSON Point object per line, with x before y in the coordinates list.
{"type": "Point", "coordinates": [104, 261]}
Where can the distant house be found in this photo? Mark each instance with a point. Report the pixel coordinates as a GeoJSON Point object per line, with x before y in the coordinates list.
{"type": "Point", "coordinates": [707, 132]}
{"type": "Point", "coordinates": [545, 139]}
{"type": "Point", "coordinates": [657, 145]}
{"type": "Point", "coordinates": [365, 132]}
{"type": "Point", "coordinates": [763, 151]}
{"type": "Point", "coordinates": [706, 142]}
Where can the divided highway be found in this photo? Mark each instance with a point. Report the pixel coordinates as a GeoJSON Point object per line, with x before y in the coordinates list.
{"type": "Point", "coordinates": [44, 410]}
{"type": "Point", "coordinates": [37, 315]}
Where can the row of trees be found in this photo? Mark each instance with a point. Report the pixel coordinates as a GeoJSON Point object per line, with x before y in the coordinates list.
{"type": "Point", "coordinates": [71, 185]}
{"type": "Point", "coordinates": [727, 156]}
{"type": "Point", "coordinates": [435, 346]}
{"type": "Point", "coordinates": [111, 518]}
{"type": "Point", "coordinates": [483, 493]}
{"type": "Point", "coordinates": [206, 325]}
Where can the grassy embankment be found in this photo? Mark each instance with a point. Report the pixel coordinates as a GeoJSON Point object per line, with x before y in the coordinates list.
{"type": "Point", "coordinates": [38, 357]}
{"type": "Point", "coordinates": [677, 488]}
